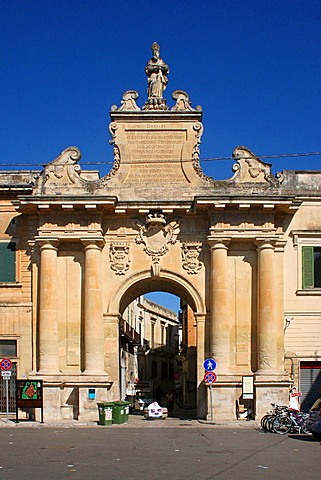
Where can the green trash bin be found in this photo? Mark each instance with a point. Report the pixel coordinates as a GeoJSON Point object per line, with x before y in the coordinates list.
{"type": "Point", "coordinates": [119, 412]}
{"type": "Point", "coordinates": [105, 411]}
{"type": "Point", "coordinates": [126, 409]}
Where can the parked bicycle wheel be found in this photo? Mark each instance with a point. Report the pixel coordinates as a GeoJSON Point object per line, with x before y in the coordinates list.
{"type": "Point", "coordinates": [265, 420]}
{"type": "Point", "coordinates": [281, 425]}
{"type": "Point", "coordinates": [269, 423]}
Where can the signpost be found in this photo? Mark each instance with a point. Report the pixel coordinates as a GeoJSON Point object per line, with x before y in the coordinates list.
{"type": "Point", "coordinates": [210, 377]}
{"type": "Point", "coordinates": [6, 366]}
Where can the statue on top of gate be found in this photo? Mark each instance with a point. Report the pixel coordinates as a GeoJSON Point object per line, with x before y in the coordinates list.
{"type": "Point", "coordinates": [157, 71]}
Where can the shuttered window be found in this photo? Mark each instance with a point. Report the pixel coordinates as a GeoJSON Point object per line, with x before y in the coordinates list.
{"type": "Point", "coordinates": [311, 267]}
{"type": "Point", "coordinates": [310, 383]}
{"type": "Point", "coordinates": [7, 262]}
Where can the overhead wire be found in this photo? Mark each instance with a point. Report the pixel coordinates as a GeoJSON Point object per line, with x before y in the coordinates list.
{"type": "Point", "coordinates": [213, 159]}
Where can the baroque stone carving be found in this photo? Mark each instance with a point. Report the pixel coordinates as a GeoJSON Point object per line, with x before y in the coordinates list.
{"type": "Point", "coordinates": [112, 129]}
{"type": "Point", "coordinates": [250, 168]}
{"type": "Point", "coordinates": [198, 127]}
{"type": "Point", "coordinates": [63, 168]}
{"type": "Point", "coordinates": [119, 257]}
{"type": "Point", "coordinates": [183, 102]}
{"type": "Point", "coordinates": [156, 234]}
{"type": "Point", "coordinates": [191, 252]}
{"type": "Point", "coordinates": [116, 164]}
{"type": "Point", "coordinates": [128, 103]}
{"type": "Point", "coordinates": [157, 71]}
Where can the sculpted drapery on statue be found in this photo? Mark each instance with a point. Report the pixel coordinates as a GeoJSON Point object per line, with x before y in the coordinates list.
{"type": "Point", "coordinates": [157, 71]}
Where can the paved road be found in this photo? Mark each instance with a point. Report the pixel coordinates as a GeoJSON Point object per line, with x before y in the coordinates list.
{"type": "Point", "coordinates": [156, 450]}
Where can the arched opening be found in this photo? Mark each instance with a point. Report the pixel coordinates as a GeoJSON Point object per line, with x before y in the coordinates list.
{"type": "Point", "coordinates": [159, 340]}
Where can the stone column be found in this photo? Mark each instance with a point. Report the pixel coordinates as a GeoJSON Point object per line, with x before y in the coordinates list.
{"type": "Point", "coordinates": [267, 338]}
{"type": "Point", "coordinates": [48, 321]}
{"type": "Point", "coordinates": [219, 311]}
{"type": "Point", "coordinates": [93, 309]}
{"type": "Point", "coordinates": [279, 303]}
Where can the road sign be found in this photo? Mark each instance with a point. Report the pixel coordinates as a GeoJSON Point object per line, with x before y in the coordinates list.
{"type": "Point", "coordinates": [6, 374]}
{"type": "Point", "coordinates": [209, 365]}
{"type": "Point", "coordinates": [6, 364]}
{"type": "Point", "coordinates": [210, 377]}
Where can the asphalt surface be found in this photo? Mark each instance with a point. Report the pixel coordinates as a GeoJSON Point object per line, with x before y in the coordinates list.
{"type": "Point", "coordinates": [155, 449]}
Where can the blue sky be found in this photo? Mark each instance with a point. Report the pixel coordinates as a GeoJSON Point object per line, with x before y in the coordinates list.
{"type": "Point", "coordinates": [254, 67]}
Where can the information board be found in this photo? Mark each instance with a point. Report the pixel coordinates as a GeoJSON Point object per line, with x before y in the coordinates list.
{"type": "Point", "coordinates": [29, 395]}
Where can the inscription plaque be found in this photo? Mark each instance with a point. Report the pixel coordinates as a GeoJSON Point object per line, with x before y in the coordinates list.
{"type": "Point", "coordinates": [155, 155]}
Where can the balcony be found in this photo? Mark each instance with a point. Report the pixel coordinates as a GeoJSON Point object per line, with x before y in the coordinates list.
{"type": "Point", "coordinates": [129, 332]}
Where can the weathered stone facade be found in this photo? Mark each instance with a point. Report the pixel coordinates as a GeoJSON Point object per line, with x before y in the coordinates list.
{"type": "Point", "coordinates": [87, 246]}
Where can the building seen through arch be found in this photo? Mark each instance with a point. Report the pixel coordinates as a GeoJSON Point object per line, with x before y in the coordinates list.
{"type": "Point", "coordinates": [242, 254]}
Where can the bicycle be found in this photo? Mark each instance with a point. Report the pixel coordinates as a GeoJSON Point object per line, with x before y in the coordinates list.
{"type": "Point", "coordinates": [290, 421]}
{"type": "Point", "coordinates": [267, 420]}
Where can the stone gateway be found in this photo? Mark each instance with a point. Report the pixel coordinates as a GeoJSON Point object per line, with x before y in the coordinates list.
{"type": "Point", "coordinates": [241, 254]}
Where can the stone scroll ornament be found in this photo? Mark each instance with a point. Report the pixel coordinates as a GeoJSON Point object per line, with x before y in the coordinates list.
{"type": "Point", "coordinates": [250, 168]}
{"type": "Point", "coordinates": [156, 234]}
{"type": "Point", "coordinates": [191, 252]}
{"type": "Point", "coordinates": [119, 258]}
{"type": "Point", "coordinates": [64, 167]}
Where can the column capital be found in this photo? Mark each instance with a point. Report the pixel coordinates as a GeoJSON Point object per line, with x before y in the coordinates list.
{"type": "Point", "coordinates": [49, 243]}
{"type": "Point", "coordinates": [93, 243]}
{"type": "Point", "coordinates": [280, 245]}
{"type": "Point", "coordinates": [265, 242]}
{"type": "Point", "coordinates": [218, 242]}
{"type": "Point", "coordinates": [200, 317]}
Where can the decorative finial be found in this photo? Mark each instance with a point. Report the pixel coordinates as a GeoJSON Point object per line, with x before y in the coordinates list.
{"type": "Point", "coordinates": [157, 71]}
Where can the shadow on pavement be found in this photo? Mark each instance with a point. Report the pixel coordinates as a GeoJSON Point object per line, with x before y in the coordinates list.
{"type": "Point", "coordinates": [183, 414]}
{"type": "Point", "coordinates": [303, 437]}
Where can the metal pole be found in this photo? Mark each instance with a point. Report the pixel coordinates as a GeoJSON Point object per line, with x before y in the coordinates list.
{"type": "Point", "coordinates": [211, 403]}
{"type": "Point", "coordinates": [7, 397]}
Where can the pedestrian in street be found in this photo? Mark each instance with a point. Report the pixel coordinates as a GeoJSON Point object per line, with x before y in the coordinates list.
{"type": "Point", "coordinates": [170, 402]}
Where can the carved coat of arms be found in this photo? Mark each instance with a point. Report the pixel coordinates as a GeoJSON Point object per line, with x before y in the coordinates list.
{"type": "Point", "coordinates": [191, 252]}
{"type": "Point", "coordinates": [156, 234]}
{"type": "Point", "coordinates": [119, 258]}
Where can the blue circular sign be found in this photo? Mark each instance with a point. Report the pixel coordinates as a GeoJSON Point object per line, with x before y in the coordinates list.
{"type": "Point", "coordinates": [209, 365]}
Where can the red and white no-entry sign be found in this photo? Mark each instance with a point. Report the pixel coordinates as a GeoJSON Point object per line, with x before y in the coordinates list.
{"type": "Point", "coordinates": [5, 364]}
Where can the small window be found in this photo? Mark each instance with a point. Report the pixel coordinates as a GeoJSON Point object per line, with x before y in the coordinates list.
{"type": "Point", "coordinates": [7, 262]}
{"type": "Point", "coordinates": [8, 348]}
{"type": "Point", "coordinates": [152, 335]}
{"type": "Point", "coordinates": [311, 267]}
{"type": "Point", "coordinates": [163, 341]}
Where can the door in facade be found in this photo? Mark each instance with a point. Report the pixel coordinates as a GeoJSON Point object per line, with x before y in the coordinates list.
{"type": "Point", "coordinates": [310, 383]}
